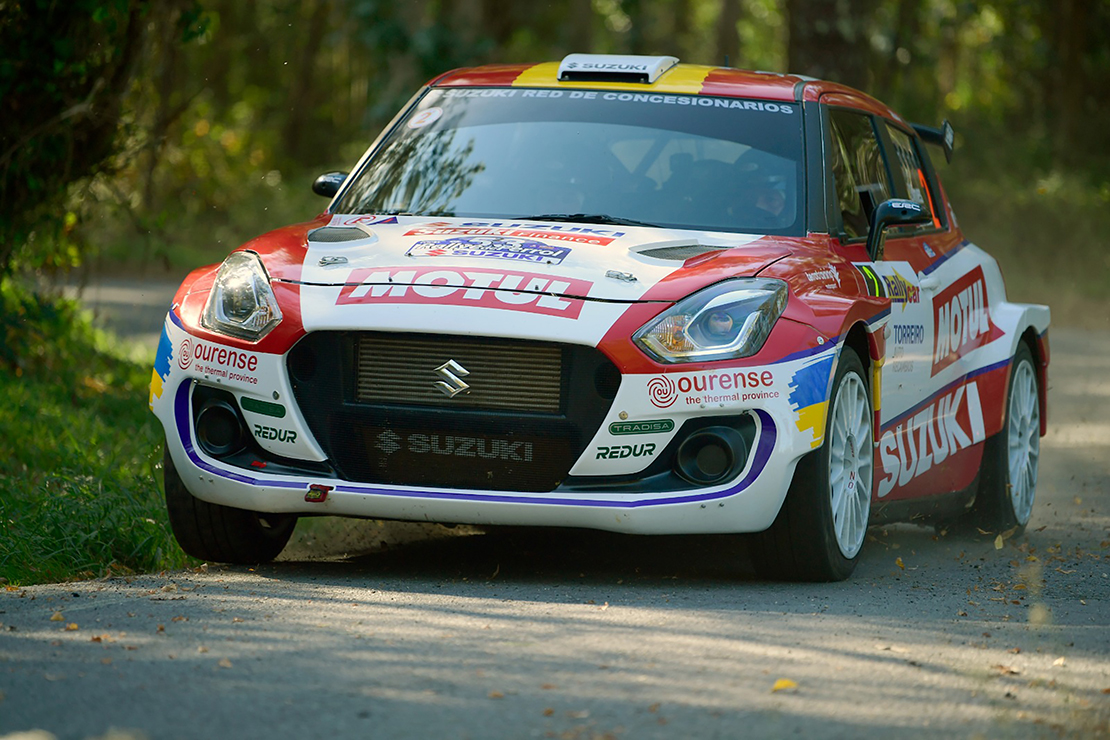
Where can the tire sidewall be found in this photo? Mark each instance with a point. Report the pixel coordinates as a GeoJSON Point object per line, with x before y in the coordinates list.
{"type": "Point", "coordinates": [848, 364]}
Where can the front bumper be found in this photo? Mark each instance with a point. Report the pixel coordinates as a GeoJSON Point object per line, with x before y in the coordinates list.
{"type": "Point", "coordinates": [784, 404]}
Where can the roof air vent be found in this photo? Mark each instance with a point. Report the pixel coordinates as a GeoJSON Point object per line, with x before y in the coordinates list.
{"type": "Point", "coordinates": [614, 68]}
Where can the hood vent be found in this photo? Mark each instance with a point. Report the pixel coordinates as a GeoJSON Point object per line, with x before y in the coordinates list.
{"type": "Point", "coordinates": [332, 234]}
{"type": "Point", "coordinates": [680, 253]}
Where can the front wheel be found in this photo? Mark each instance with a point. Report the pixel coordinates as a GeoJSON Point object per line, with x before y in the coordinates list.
{"type": "Point", "coordinates": [821, 527]}
{"type": "Point", "coordinates": [222, 534]}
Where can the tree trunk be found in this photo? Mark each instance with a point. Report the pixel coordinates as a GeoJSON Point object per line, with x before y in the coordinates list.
{"type": "Point", "coordinates": [299, 105]}
{"type": "Point", "coordinates": [728, 36]}
{"type": "Point", "coordinates": [828, 39]}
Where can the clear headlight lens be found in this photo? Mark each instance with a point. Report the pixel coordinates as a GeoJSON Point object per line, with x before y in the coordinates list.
{"type": "Point", "coordinates": [723, 322]}
{"type": "Point", "coordinates": [242, 303]}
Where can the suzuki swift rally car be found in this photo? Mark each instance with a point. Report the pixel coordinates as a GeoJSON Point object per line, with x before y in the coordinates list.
{"type": "Point", "coordinates": [618, 293]}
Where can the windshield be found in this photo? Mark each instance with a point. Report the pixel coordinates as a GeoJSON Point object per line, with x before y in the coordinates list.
{"type": "Point", "coordinates": [680, 161]}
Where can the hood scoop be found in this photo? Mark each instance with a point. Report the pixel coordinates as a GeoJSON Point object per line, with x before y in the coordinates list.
{"type": "Point", "coordinates": [677, 250]}
{"type": "Point", "coordinates": [333, 234]}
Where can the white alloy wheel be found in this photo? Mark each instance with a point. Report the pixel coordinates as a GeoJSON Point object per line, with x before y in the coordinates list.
{"type": "Point", "coordinates": [1024, 438]}
{"type": "Point", "coordinates": [850, 464]}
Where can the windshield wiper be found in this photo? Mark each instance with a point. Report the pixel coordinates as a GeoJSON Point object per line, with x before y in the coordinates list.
{"type": "Point", "coordinates": [589, 218]}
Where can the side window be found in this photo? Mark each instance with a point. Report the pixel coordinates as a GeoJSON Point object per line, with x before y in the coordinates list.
{"type": "Point", "coordinates": [859, 174]}
{"type": "Point", "coordinates": [909, 174]}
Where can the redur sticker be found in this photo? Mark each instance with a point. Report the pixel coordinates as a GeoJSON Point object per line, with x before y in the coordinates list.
{"type": "Point", "coordinates": [425, 117]}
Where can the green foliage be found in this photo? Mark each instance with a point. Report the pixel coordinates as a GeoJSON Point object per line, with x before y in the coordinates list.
{"type": "Point", "coordinates": [81, 450]}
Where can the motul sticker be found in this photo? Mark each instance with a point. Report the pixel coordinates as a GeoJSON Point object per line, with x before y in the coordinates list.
{"type": "Point", "coordinates": [949, 424]}
{"type": "Point", "coordinates": [510, 291]}
{"type": "Point", "coordinates": [962, 319]}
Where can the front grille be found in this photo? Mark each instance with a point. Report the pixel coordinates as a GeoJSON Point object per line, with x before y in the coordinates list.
{"type": "Point", "coordinates": [371, 403]}
{"type": "Point", "coordinates": [502, 375]}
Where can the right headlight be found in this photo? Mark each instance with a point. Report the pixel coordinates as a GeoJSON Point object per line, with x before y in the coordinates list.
{"type": "Point", "coordinates": [241, 304]}
{"type": "Point", "coordinates": [726, 321]}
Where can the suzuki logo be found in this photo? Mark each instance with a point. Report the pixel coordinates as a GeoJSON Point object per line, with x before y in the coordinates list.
{"type": "Point", "coordinates": [451, 385]}
{"type": "Point", "coordinates": [387, 442]}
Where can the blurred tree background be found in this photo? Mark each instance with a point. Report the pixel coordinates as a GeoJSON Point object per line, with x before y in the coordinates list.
{"type": "Point", "coordinates": [142, 134]}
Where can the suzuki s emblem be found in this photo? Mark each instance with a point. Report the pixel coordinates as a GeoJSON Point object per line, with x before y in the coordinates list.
{"type": "Point", "coordinates": [451, 385]}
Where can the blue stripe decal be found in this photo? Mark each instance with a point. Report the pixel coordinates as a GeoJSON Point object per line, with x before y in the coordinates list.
{"type": "Point", "coordinates": [763, 449]}
{"type": "Point", "coordinates": [945, 257]}
{"type": "Point", "coordinates": [958, 381]}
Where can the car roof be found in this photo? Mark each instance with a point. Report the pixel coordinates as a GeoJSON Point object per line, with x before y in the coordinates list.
{"type": "Point", "coordinates": [689, 79]}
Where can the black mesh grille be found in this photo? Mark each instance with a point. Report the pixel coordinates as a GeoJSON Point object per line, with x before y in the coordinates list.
{"type": "Point", "coordinates": [409, 436]}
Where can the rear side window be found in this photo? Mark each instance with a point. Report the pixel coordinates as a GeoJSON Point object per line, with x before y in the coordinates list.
{"type": "Point", "coordinates": [909, 174]}
{"type": "Point", "coordinates": [859, 173]}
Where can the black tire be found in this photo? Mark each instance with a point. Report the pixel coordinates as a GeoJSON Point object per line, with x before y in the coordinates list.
{"type": "Point", "coordinates": [995, 508]}
{"type": "Point", "coordinates": [222, 534]}
{"type": "Point", "coordinates": [802, 543]}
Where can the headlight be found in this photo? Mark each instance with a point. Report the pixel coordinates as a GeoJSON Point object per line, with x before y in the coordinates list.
{"type": "Point", "coordinates": [728, 320]}
{"type": "Point", "coordinates": [241, 303]}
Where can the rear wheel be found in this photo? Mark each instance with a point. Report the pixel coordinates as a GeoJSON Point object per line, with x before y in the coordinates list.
{"type": "Point", "coordinates": [1008, 482]}
{"type": "Point", "coordinates": [218, 533]}
{"type": "Point", "coordinates": [821, 527]}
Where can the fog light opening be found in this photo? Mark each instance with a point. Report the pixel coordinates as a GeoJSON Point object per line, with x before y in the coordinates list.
{"type": "Point", "coordinates": [711, 455]}
{"type": "Point", "coordinates": [219, 432]}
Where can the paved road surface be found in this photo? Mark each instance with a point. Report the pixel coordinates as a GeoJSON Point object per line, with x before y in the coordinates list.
{"type": "Point", "coordinates": [580, 635]}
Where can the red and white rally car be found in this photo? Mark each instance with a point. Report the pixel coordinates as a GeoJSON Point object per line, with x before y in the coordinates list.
{"type": "Point", "coordinates": [613, 292]}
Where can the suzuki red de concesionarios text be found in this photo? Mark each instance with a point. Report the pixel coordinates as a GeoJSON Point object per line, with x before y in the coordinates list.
{"type": "Point", "coordinates": [620, 293]}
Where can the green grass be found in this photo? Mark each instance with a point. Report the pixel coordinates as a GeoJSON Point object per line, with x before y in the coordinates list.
{"type": "Point", "coordinates": [80, 492]}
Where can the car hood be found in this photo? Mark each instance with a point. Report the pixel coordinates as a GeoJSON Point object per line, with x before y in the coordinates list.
{"type": "Point", "coordinates": [577, 260]}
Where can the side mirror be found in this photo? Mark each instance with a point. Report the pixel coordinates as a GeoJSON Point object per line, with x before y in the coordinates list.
{"type": "Point", "coordinates": [328, 183]}
{"type": "Point", "coordinates": [894, 212]}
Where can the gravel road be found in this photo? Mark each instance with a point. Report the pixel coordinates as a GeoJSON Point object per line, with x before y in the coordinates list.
{"type": "Point", "coordinates": [520, 634]}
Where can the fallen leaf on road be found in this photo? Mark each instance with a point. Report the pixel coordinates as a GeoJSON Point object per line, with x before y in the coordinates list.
{"type": "Point", "coordinates": [1008, 670]}
{"type": "Point", "coordinates": [202, 649]}
{"type": "Point", "coordinates": [899, 563]}
{"type": "Point", "coordinates": [549, 686]}
{"type": "Point", "coordinates": [180, 619]}
{"type": "Point", "coordinates": [496, 695]}
{"type": "Point", "coordinates": [71, 627]}
{"type": "Point", "coordinates": [57, 617]}
{"type": "Point", "coordinates": [783, 684]}
{"type": "Point", "coordinates": [998, 542]}
{"type": "Point", "coordinates": [583, 714]}
{"type": "Point", "coordinates": [224, 663]}
{"type": "Point", "coordinates": [1060, 662]}
{"type": "Point", "coordinates": [654, 708]}
{"type": "Point", "coordinates": [1106, 690]}
{"type": "Point", "coordinates": [548, 712]}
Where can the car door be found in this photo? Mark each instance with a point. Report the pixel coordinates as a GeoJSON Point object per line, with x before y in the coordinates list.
{"type": "Point", "coordinates": [866, 170]}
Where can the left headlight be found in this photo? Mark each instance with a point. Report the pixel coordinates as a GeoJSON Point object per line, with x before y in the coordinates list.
{"type": "Point", "coordinates": [725, 321]}
{"type": "Point", "coordinates": [242, 303]}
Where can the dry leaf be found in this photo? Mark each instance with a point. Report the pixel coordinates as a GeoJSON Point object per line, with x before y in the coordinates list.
{"type": "Point", "coordinates": [71, 627]}
{"type": "Point", "coordinates": [1106, 690]}
{"type": "Point", "coordinates": [1008, 670]}
{"type": "Point", "coordinates": [783, 684]}
{"type": "Point", "coordinates": [1060, 662]}
{"type": "Point", "coordinates": [998, 542]}
{"type": "Point", "coordinates": [224, 663]}
{"type": "Point", "coordinates": [180, 619]}
{"type": "Point", "coordinates": [496, 695]}
{"type": "Point", "coordinates": [548, 712]}
{"type": "Point", "coordinates": [202, 649]}
{"type": "Point", "coordinates": [899, 563]}
{"type": "Point", "coordinates": [654, 708]}
{"type": "Point", "coordinates": [57, 617]}
{"type": "Point", "coordinates": [548, 686]}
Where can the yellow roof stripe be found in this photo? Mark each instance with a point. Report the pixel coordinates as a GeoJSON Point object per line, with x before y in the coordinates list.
{"type": "Point", "coordinates": [683, 78]}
